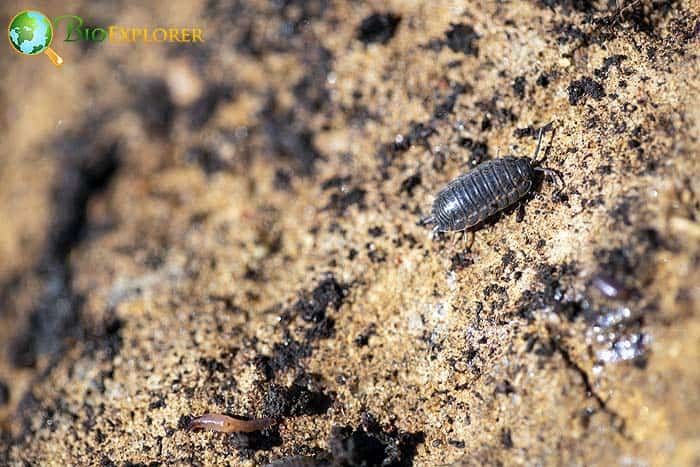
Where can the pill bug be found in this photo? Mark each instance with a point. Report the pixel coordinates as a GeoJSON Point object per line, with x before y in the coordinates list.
{"type": "Point", "coordinates": [490, 187]}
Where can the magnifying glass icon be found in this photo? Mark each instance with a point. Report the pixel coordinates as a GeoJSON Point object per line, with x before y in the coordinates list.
{"type": "Point", "coordinates": [30, 33]}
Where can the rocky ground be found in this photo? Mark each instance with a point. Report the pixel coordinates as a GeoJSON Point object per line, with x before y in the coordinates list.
{"type": "Point", "coordinates": [231, 227]}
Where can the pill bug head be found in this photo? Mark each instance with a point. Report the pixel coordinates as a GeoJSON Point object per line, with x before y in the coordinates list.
{"type": "Point", "coordinates": [525, 166]}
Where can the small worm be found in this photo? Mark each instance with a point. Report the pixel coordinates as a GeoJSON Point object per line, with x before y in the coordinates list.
{"type": "Point", "coordinates": [226, 424]}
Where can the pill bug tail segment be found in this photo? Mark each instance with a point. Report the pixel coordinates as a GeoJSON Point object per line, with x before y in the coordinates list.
{"type": "Point", "coordinates": [226, 424]}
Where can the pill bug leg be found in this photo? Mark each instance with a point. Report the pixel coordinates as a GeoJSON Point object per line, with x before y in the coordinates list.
{"type": "Point", "coordinates": [556, 178]}
{"type": "Point", "coordinates": [468, 244]}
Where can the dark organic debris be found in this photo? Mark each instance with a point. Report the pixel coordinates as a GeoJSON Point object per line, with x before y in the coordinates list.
{"type": "Point", "coordinates": [285, 355]}
{"type": "Point", "coordinates": [378, 27]}
{"type": "Point", "coordinates": [506, 438]}
{"type": "Point", "coordinates": [301, 398]}
{"type": "Point", "coordinates": [311, 307]}
{"type": "Point", "coordinates": [299, 461]}
{"type": "Point", "coordinates": [543, 80]}
{"type": "Point", "coordinates": [290, 138]}
{"type": "Point", "coordinates": [613, 60]}
{"type": "Point", "coordinates": [341, 201]}
{"type": "Point", "coordinates": [335, 182]}
{"type": "Point", "coordinates": [478, 149]}
{"type": "Point", "coordinates": [523, 132]}
{"type": "Point", "coordinates": [328, 293]}
{"type": "Point", "coordinates": [207, 158]}
{"type": "Point", "coordinates": [444, 108]}
{"type": "Point", "coordinates": [418, 134]}
{"type": "Point", "coordinates": [585, 86]}
{"type": "Point", "coordinates": [248, 443]}
{"type": "Point", "coordinates": [88, 165]}
{"type": "Point", "coordinates": [410, 183]}
{"type": "Point", "coordinates": [519, 86]}
{"type": "Point", "coordinates": [4, 393]}
{"type": "Point", "coordinates": [462, 38]}
{"type": "Point", "coordinates": [369, 445]}
{"type": "Point", "coordinates": [460, 261]}
{"type": "Point", "coordinates": [584, 6]}
{"type": "Point", "coordinates": [201, 110]}
{"type": "Point", "coordinates": [154, 104]}
{"type": "Point", "coordinates": [311, 91]}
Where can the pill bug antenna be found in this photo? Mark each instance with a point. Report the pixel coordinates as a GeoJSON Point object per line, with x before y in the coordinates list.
{"type": "Point", "coordinates": [539, 143]}
{"type": "Point", "coordinates": [552, 174]}
{"type": "Point", "coordinates": [540, 134]}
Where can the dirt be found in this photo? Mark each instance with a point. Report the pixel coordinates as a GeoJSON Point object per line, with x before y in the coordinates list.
{"type": "Point", "coordinates": [235, 227]}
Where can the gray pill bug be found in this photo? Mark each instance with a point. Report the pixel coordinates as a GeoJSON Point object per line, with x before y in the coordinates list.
{"type": "Point", "coordinates": [490, 187]}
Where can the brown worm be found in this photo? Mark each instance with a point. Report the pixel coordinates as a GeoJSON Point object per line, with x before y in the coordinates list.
{"type": "Point", "coordinates": [226, 424]}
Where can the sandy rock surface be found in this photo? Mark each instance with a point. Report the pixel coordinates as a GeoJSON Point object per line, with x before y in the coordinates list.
{"type": "Point", "coordinates": [232, 227]}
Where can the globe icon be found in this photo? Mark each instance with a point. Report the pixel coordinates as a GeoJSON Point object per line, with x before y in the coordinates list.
{"type": "Point", "coordinates": [30, 33]}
